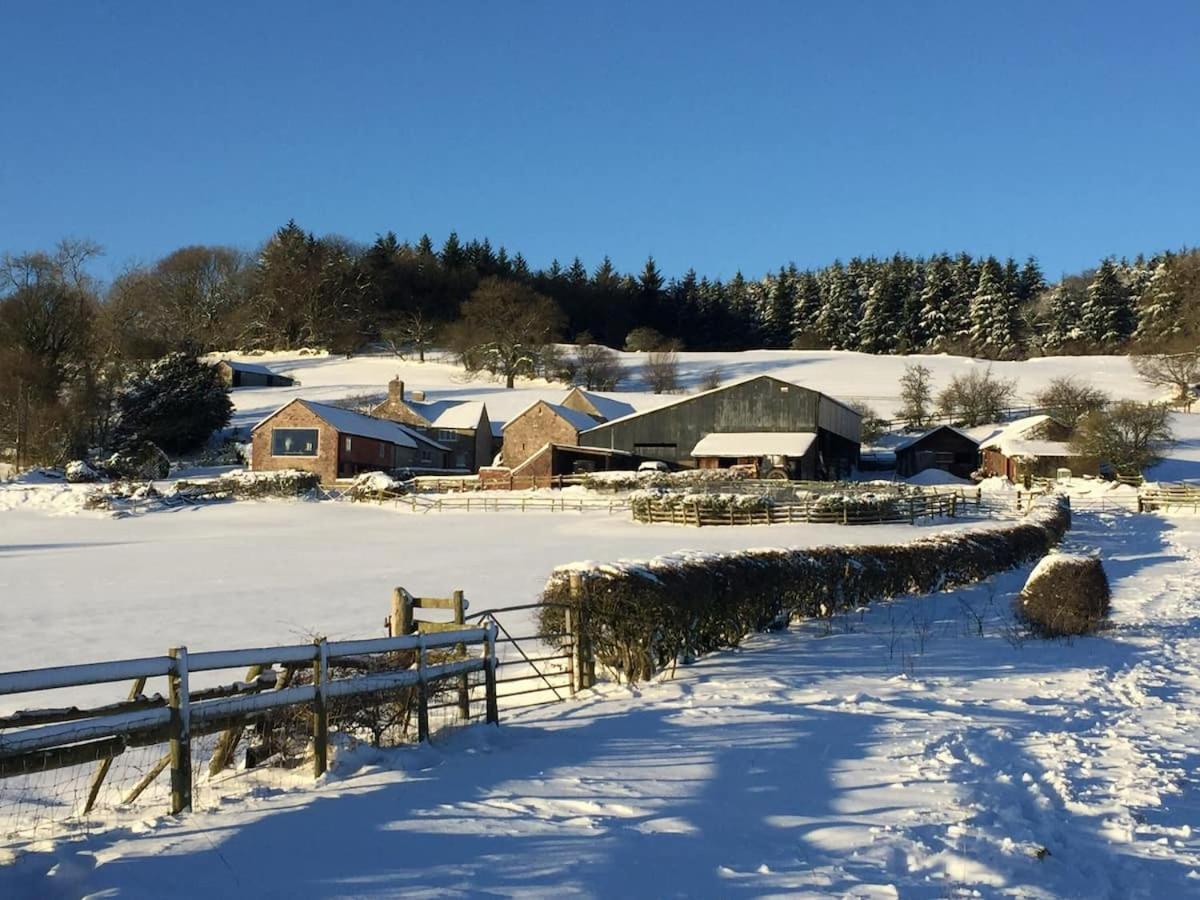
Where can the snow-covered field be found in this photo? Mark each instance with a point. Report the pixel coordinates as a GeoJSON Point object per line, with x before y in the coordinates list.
{"type": "Point", "coordinates": [901, 754]}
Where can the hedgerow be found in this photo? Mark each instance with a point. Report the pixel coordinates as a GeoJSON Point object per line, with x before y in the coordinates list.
{"type": "Point", "coordinates": [643, 615]}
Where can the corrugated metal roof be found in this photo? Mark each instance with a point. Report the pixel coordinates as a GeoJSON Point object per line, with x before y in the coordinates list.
{"type": "Point", "coordinates": [755, 443]}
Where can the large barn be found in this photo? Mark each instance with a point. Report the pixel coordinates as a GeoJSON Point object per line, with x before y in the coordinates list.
{"type": "Point", "coordinates": [781, 428]}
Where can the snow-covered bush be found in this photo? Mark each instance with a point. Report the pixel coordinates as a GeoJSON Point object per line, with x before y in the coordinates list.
{"type": "Point", "coordinates": [376, 486]}
{"type": "Point", "coordinates": [255, 485]}
{"type": "Point", "coordinates": [883, 506]}
{"type": "Point", "coordinates": [79, 472]}
{"type": "Point", "coordinates": [642, 615]}
{"type": "Point", "coordinates": [140, 461]}
{"type": "Point", "coordinates": [641, 502]}
{"type": "Point", "coordinates": [177, 404]}
{"type": "Point", "coordinates": [629, 481]}
{"type": "Point", "coordinates": [1066, 594]}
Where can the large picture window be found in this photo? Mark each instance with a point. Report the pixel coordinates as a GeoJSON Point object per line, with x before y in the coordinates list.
{"type": "Point", "coordinates": [294, 442]}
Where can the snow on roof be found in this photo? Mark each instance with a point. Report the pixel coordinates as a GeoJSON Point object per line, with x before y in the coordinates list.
{"type": "Point", "coordinates": [580, 420]}
{"type": "Point", "coordinates": [449, 413]}
{"type": "Point", "coordinates": [347, 421]}
{"type": "Point", "coordinates": [249, 368]}
{"type": "Point", "coordinates": [908, 442]}
{"type": "Point", "coordinates": [716, 390]}
{"type": "Point", "coordinates": [988, 435]}
{"type": "Point", "coordinates": [755, 443]}
{"type": "Point", "coordinates": [609, 407]}
{"type": "Point", "coordinates": [1011, 441]}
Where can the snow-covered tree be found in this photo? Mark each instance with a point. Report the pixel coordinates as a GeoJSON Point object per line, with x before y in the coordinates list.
{"type": "Point", "coordinates": [1107, 316]}
{"type": "Point", "coordinates": [176, 404]}
{"type": "Point", "coordinates": [837, 323]}
{"type": "Point", "coordinates": [993, 313]}
{"type": "Point", "coordinates": [938, 303]}
{"type": "Point", "coordinates": [1062, 316]}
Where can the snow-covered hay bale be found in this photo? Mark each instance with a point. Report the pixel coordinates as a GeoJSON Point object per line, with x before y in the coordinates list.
{"type": "Point", "coordinates": [644, 614]}
{"type": "Point", "coordinates": [1066, 594]}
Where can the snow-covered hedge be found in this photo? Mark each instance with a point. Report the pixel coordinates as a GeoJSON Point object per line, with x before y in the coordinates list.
{"type": "Point", "coordinates": [642, 615]}
{"type": "Point", "coordinates": [629, 481]}
{"type": "Point", "coordinates": [245, 485]}
{"type": "Point", "coordinates": [641, 501]}
{"type": "Point", "coordinates": [1066, 594]}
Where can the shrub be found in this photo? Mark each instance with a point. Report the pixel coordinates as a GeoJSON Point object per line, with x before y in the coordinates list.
{"type": "Point", "coordinates": [176, 404]}
{"type": "Point", "coordinates": [643, 615]}
{"type": "Point", "coordinates": [252, 485]}
{"type": "Point", "coordinates": [376, 486]}
{"type": "Point", "coordinates": [140, 461]}
{"type": "Point", "coordinates": [976, 398]}
{"type": "Point", "coordinates": [1065, 595]}
{"type": "Point", "coordinates": [79, 472]}
{"type": "Point", "coordinates": [1128, 435]}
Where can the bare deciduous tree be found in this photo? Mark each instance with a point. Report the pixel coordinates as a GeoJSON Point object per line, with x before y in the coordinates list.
{"type": "Point", "coordinates": [504, 329]}
{"type": "Point", "coordinates": [662, 371]}
{"type": "Point", "coordinates": [1127, 435]}
{"type": "Point", "coordinates": [976, 398]}
{"type": "Point", "coordinates": [594, 366]}
{"type": "Point", "coordinates": [414, 330]}
{"type": "Point", "coordinates": [1068, 399]}
{"type": "Point", "coordinates": [1177, 370]}
{"type": "Point", "coordinates": [916, 395]}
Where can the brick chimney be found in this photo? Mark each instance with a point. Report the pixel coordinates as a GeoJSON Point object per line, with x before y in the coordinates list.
{"type": "Point", "coordinates": [396, 390]}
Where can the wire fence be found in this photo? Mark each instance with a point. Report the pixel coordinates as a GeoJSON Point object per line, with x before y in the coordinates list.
{"type": "Point", "coordinates": [191, 731]}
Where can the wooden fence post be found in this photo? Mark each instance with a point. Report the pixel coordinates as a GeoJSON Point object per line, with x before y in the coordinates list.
{"type": "Point", "coordinates": [572, 631]}
{"type": "Point", "coordinates": [401, 622]}
{"type": "Point", "coordinates": [460, 652]}
{"type": "Point", "coordinates": [492, 715]}
{"type": "Point", "coordinates": [320, 713]}
{"type": "Point", "coordinates": [229, 738]}
{"type": "Point", "coordinates": [180, 741]}
{"type": "Point", "coordinates": [422, 696]}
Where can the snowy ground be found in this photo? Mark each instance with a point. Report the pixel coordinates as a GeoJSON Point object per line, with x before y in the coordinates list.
{"type": "Point", "coordinates": [901, 754]}
{"type": "Point", "coordinates": [87, 587]}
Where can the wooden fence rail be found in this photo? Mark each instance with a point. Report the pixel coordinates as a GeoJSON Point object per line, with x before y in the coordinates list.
{"type": "Point", "coordinates": [902, 510]}
{"type": "Point", "coordinates": [38, 740]}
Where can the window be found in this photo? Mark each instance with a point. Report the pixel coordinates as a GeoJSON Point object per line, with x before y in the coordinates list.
{"type": "Point", "coordinates": [446, 437]}
{"type": "Point", "coordinates": [426, 457]}
{"type": "Point", "coordinates": [294, 442]}
{"type": "Point", "coordinates": [349, 444]}
{"type": "Point", "coordinates": [381, 451]}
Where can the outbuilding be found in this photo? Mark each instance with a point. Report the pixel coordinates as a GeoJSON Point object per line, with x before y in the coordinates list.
{"type": "Point", "coordinates": [243, 374]}
{"type": "Point", "coordinates": [339, 443]}
{"type": "Point", "coordinates": [1033, 447]}
{"type": "Point", "coordinates": [785, 429]}
{"type": "Point", "coordinates": [943, 447]}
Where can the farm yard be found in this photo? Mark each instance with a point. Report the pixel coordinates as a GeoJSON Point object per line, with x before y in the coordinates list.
{"type": "Point", "coordinates": [919, 745]}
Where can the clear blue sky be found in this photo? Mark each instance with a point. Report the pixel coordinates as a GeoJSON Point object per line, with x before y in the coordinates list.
{"type": "Point", "coordinates": [716, 135]}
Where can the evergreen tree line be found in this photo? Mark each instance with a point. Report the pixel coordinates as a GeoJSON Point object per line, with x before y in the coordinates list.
{"type": "Point", "coordinates": [301, 290]}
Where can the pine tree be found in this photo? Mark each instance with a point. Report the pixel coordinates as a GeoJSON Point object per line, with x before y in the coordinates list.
{"type": "Point", "coordinates": [808, 305]}
{"type": "Point", "coordinates": [1030, 282]}
{"type": "Point", "coordinates": [993, 313]}
{"type": "Point", "coordinates": [452, 255]}
{"type": "Point", "coordinates": [1107, 316]}
{"type": "Point", "coordinates": [1062, 316]}
{"type": "Point", "coordinates": [938, 303]}
{"type": "Point", "coordinates": [1159, 309]}
{"type": "Point", "coordinates": [880, 316]}
{"type": "Point", "coordinates": [780, 309]}
{"type": "Point", "coordinates": [837, 322]}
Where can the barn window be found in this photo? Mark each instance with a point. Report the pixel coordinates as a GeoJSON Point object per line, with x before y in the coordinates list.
{"type": "Point", "coordinates": [381, 451]}
{"type": "Point", "coordinates": [426, 457]}
{"type": "Point", "coordinates": [349, 443]}
{"type": "Point", "coordinates": [294, 442]}
{"type": "Point", "coordinates": [445, 436]}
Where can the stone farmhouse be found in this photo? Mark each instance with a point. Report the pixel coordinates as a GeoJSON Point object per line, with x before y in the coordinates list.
{"type": "Point", "coordinates": [782, 429]}
{"type": "Point", "coordinates": [339, 443]}
{"type": "Point", "coordinates": [461, 426]}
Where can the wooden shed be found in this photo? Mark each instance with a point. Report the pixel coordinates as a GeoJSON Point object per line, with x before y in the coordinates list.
{"type": "Point", "coordinates": [943, 447]}
{"type": "Point", "coordinates": [1033, 447]}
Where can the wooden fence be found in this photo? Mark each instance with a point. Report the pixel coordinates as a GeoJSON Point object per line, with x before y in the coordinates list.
{"type": "Point", "coordinates": [37, 740]}
{"type": "Point", "coordinates": [1166, 496]}
{"type": "Point", "coordinates": [697, 513]}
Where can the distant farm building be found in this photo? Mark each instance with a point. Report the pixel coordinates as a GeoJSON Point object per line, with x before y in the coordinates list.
{"type": "Point", "coordinates": [339, 443]}
{"type": "Point", "coordinates": [462, 426]}
{"type": "Point", "coordinates": [784, 429]}
{"type": "Point", "coordinates": [599, 407]}
{"type": "Point", "coordinates": [1035, 447]}
{"type": "Point", "coordinates": [531, 436]}
{"type": "Point", "coordinates": [943, 447]}
{"type": "Point", "coordinates": [242, 374]}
